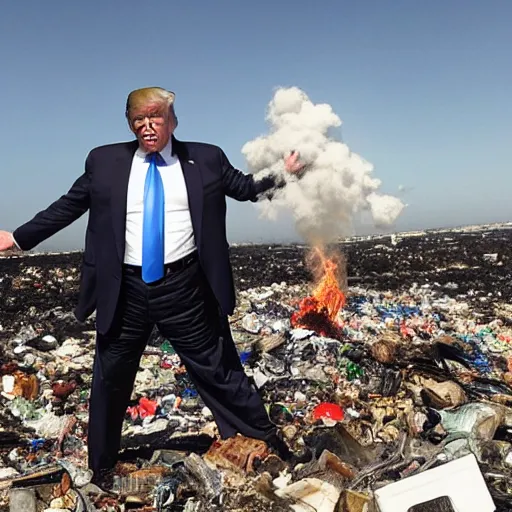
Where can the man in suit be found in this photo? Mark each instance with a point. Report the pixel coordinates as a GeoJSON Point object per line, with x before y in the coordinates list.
{"type": "Point", "coordinates": [156, 253]}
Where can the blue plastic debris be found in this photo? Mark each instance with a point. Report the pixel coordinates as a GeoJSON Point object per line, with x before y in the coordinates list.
{"type": "Point", "coordinates": [36, 444]}
{"type": "Point", "coordinates": [189, 393]}
{"type": "Point", "coordinates": [244, 356]}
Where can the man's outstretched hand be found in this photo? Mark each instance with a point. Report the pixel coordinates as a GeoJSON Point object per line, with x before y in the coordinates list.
{"type": "Point", "coordinates": [292, 162]}
{"type": "Point", "coordinates": [6, 241]}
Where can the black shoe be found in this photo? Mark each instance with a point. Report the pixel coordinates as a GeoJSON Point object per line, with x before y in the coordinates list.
{"type": "Point", "coordinates": [277, 443]}
{"type": "Point", "coordinates": [104, 480]}
{"type": "Point", "coordinates": [302, 457]}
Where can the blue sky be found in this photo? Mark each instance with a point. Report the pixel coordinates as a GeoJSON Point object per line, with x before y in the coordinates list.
{"type": "Point", "coordinates": [423, 89]}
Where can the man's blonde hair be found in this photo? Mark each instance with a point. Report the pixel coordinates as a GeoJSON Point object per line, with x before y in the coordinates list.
{"type": "Point", "coordinates": [140, 97]}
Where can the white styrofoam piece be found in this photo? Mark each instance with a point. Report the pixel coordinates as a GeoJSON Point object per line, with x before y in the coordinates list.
{"type": "Point", "coordinates": [312, 494]}
{"type": "Point", "coordinates": [460, 479]}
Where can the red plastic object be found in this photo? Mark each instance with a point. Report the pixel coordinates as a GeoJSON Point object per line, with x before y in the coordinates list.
{"type": "Point", "coordinates": [327, 410]}
{"type": "Point", "coordinates": [145, 408]}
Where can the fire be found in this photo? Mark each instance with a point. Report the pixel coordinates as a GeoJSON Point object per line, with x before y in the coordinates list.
{"type": "Point", "coordinates": [319, 311]}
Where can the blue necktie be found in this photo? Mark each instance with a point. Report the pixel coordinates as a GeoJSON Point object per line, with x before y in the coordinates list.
{"type": "Point", "coordinates": [153, 224]}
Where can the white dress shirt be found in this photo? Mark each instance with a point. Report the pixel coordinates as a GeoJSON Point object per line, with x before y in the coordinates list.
{"type": "Point", "coordinates": [179, 235]}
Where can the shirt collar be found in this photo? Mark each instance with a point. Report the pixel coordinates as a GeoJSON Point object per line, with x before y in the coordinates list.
{"type": "Point", "coordinates": [166, 152]}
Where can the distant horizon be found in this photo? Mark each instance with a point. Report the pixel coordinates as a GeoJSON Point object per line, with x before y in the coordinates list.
{"type": "Point", "coordinates": [482, 227]}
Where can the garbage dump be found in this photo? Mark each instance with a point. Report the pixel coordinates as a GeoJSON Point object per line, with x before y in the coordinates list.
{"type": "Point", "coordinates": [382, 374]}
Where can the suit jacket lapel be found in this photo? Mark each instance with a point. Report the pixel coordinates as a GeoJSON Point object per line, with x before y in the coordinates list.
{"type": "Point", "coordinates": [121, 175]}
{"type": "Point", "coordinates": [194, 183]}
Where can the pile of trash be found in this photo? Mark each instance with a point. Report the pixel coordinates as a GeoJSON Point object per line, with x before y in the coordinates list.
{"type": "Point", "coordinates": [402, 400]}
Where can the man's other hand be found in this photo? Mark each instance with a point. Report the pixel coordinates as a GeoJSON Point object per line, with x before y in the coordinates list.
{"type": "Point", "coordinates": [292, 163]}
{"type": "Point", "coordinates": [6, 241]}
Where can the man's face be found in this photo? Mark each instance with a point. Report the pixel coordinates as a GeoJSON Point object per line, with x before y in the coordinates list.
{"type": "Point", "coordinates": [152, 124]}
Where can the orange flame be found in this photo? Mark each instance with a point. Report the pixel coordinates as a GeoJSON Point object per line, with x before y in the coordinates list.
{"type": "Point", "coordinates": [319, 311]}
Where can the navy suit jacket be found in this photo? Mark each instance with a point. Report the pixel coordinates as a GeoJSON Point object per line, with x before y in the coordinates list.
{"type": "Point", "coordinates": [102, 190]}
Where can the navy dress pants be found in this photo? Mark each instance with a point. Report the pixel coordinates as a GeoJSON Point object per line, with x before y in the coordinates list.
{"type": "Point", "coordinates": [185, 312]}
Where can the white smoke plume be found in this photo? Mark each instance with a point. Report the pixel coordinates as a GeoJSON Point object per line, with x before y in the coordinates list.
{"type": "Point", "coordinates": [336, 183]}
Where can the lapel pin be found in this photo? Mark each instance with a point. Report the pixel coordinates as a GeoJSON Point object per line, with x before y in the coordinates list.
{"type": "Point", "coordinates": [191, 162]}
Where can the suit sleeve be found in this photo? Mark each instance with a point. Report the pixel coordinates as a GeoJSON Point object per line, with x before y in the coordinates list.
{"type": "Point", "coordinates": [244, 187]}
{"type": "Point", "coordinates": [59, 214]}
